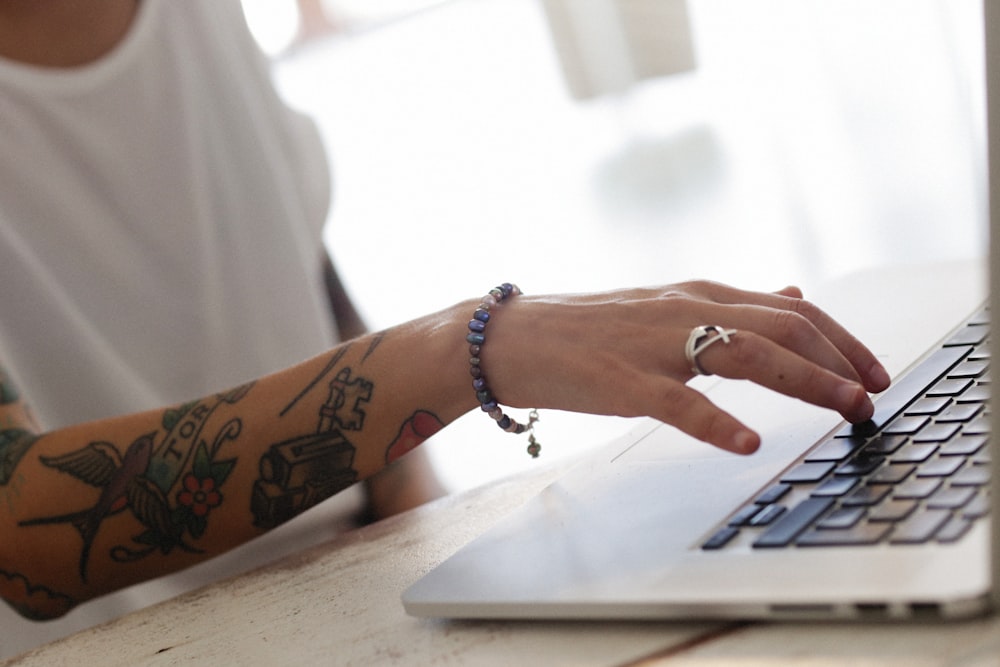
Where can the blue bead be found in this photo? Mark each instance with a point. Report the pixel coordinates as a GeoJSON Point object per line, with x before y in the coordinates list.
{"type": "Point", "coordinates": [489, 405]}
{"type": "Point", "coordinates": [476, 338]}
{"type": "Point", "coordinates": [479, 384]}
{"type": "Point", "coordinates": [504, 422]}
{"type": "Point", "coordinates": [481, 315]}
{"type": "Point", "coordinates": [477, 326]}
{"type": "Point", "coordinates": [507, 289]}
{"type": "Point", "coordinates": [484, 396]}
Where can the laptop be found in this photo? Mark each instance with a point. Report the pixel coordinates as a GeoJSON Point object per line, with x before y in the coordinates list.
{"type": "Point", "coordinates": [893, 519]}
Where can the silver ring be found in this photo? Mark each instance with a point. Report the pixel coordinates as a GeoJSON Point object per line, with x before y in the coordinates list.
{"type": "Point", "coordinates": [698, 341]}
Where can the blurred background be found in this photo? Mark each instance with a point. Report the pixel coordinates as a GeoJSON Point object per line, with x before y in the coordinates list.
{"type": "Point", "coordinates": [576, 145]}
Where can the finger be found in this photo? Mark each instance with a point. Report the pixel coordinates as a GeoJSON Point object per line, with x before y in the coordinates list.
{"type": "Point", "coordinates": [693, 413]}
{"type": "Point", "coordinates": [871, 372]}
{"type": "Point", "coordinates": [750, 356]}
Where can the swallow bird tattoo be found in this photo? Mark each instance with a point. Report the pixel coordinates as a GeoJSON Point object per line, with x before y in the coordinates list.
{"type": "Point", "coordinates": [122, 483]}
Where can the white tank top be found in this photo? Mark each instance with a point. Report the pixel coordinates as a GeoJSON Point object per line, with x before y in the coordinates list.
{"type": "Point", "coordinates": [160, 236]}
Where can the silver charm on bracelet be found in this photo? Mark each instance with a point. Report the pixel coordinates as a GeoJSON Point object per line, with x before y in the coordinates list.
{"type": "Point", "coordinates": [698, 341]}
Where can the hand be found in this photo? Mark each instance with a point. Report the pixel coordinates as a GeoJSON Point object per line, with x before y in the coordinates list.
{"type": "Point", "coordinates": [622, 353]}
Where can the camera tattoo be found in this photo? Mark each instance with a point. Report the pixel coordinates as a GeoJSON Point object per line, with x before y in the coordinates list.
{"type": "Point", "coordinates": [301, 472]}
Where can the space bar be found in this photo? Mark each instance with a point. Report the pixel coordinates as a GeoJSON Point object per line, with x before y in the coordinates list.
{"type": "Point", "coordinates": [906, 388]}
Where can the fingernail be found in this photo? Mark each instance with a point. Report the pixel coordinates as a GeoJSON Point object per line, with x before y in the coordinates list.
{"type": "Point", "coordinates": [858, 406]}
{"type": "Point", "coordinates": [745, 442]}
{"type": "Point", "coordinates": [878, 376]}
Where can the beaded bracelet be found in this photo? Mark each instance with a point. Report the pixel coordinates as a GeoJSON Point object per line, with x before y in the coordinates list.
{"type": "Point", "coordinates": [476, 338]}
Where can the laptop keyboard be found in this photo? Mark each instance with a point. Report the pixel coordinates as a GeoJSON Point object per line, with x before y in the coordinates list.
{"type": "Point", "coordinates": [917, 472]}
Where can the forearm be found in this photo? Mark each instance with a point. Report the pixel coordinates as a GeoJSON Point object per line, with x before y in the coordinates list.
{"type": "Point", "coordinates": [95, 507]}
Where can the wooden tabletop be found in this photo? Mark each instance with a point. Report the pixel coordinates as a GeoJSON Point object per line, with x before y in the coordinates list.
{"type": "Point", "coordinates": [339, 604]}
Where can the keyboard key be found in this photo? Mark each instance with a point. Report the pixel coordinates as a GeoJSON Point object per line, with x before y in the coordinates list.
{"type": "Point", "coordinates": [978, 507]}
{"type": "Point", "coordinates": [773, 494]}
{"type": "Point", "coordinates": [844, 517]}
{"type": "Point", "coordinates": [743, 515]}
{"type": "Point", "coordinates": [893, 510]}
{"type": "Point", "coordinates": [920, 527]}
{"type": "Point", "coordinates": [885, 444]}
{"type": "Point", "coordinates": [928, 406]}
{"type": "Point", "coordinates": [862, 464]}
{"type": "Point", "coordinates": [894, 473]}
{"type": "Point", "coordinates": [835, 487]}
{"type": "Point", "coordinates": [970, 335]}
{"type": "Point", "coordinates": [963, 446]}
{"type": "Point", "coordinates": [977, 394]}
{"type": "Point", "coordinates": [953, 530]}
{"type": "Point", "coordinates": [978, 426]}
{"type": "Point", "coordinates": [940, 466]}
{"type": "Point", "coordinates": [805, 473]}
{"type": "Point", "coordinates": [916, 488]}
{"type": "Point", "coordinates": [949, 387]}
{"type": "Point", "coordinates": [906, 425]}
{"type": "Point", "coordinates": [767, 515]}
{"type": "Point", "coordinates": [836, 449]}
{"type": "Point", "coordinates": [861, 534]}
{"type": "Point", "coordinates": [788, 527]}
{"type": "Point", "coordinates": [952, 497]}
{"type": "Point", "coordinates": [914, 453]}
{"type": "Point", "coordinates": [972, 476]}
{"type": "Point", "coordinates": [936, 433]}
{"type": "Point", "coordinates": [721, 538]}
{"type": "Point", "coordinates": [969, 369]}
{"type": "Point", "coordinates": [870, 494]}
{"type": "Point", "coordinates": [959, 412]}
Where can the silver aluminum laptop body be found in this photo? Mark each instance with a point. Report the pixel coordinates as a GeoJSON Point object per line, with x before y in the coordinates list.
{"type": "Point", "coordinates": [621, 534]}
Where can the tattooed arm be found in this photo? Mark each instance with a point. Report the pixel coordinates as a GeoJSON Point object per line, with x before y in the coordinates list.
{"type": "Point", "coordinates": [98, 506]}
{"type": "Point", "coordinates": [95, 507]}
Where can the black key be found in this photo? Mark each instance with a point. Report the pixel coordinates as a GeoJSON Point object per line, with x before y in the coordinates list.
{"type": "Point", "coordinates": [788, 527]}
{"type": "Point", "coordinates": [835, 487]}
{"type": "Point", "coordinates": [940, 466]}
{"type": "Point", "coordinates": [978, 426]}
{"type": "Point", "coordinates": [952, 498]}
{"type": "Point", "coordinates": [953, 530]}
{"type": "Point", "coordinates": [767, 515]}
{"type": "Point", "coordinates": [773, 494]}
{"type": "Point", "coordinates": [894, 473]}
{"type": "Point", "coordinates": [721, 538]}
{"type": "Point", "coordinates": [845, 517]}
{"type": "Point", "coordinates": [936, 433]}
{"type": "Point", "coordinates": [870, 494]}
{"type": "Point", "coordinates": [835, 449]}
{"type": "Point", "coordinates": [972, 476]}
{"type": "Point", "coordinates": [970, 335]}
{"type": "Point", "coordinates": [928, 406]}
{"type": "Point", "coordinates": [969, 369]}
{"type": "Point", "coordinates": [920, 527]}
{"type": "Point", "coordinates": [861, 534]}
{"type": "Point", "coordinates": [914, 453]}
{"type": "Point", "coordinates": [949, 387]}
{"type": "Point", "coordinates": [978, 394]}
{"type": "Point", "coordinates": [806, 473]}
{"type": "Point", "coordinates": [916, 488]}
{"type": "Point", "coordinates": [964, 446]}
{"type": "Point", "coordinates": [978, 507]}
{"type": "Point", "coordinates": [893, 510]}
{"type": "Point", "coordinates": [743, 515]}
{"type": "Point", "coordinates": [960, 412]}
{"type": "Point", "coordinates": [862, 464]}
{"type": "Point", "coordinates": [906, 425]}
{"type": "Point", "coordinates": [885, 444]}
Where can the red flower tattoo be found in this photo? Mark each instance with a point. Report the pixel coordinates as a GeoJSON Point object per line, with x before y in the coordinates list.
{"type": "Point", "coordinates": [199, 495]}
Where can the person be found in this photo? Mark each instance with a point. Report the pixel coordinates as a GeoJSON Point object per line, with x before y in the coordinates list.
{"type": "Point", "coordinates": [170, 385]}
